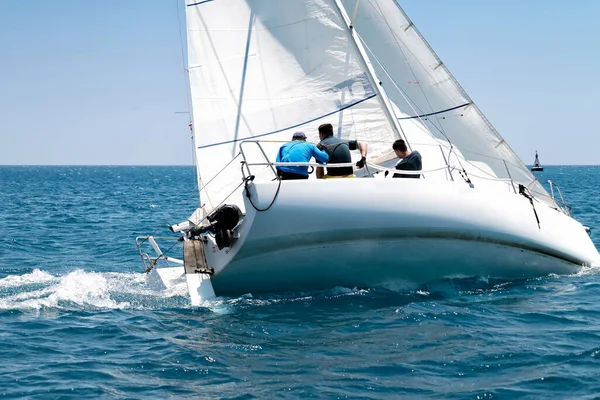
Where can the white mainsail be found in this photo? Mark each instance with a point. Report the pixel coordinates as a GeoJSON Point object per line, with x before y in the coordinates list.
{"type": "Point", "coordinates": [426, 88]}
{"type": "Point", "coordinates": [262, 69]}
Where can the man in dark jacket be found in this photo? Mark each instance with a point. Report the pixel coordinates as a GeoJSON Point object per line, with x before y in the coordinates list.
{"type": "Point", "coordinates": [339, 153]}
{"type": "Point", "coordinates": [409, 160]}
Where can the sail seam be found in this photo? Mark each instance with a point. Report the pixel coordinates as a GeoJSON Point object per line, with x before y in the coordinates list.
{"type": "Point", "coordinates": [199, 2]}
{"type": "Point", "coordinates": [289, 127]}
{"type": "Point", "coordinates": [435, 113]}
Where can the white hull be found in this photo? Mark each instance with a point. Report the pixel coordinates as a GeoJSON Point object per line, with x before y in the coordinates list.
{"type": "Point", "coordinates": [392, 232]}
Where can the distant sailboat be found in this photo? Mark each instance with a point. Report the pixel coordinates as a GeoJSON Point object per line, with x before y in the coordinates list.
{"type": "Point", "coordinates": [536, 165]}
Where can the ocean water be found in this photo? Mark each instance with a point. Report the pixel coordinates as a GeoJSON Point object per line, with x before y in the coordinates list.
{"type": "Point", "coordinates": [77, 319]}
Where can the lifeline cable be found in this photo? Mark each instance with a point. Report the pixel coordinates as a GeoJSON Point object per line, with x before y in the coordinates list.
{"type": "Point", "coordinates": [250, 178]}
{"type": "Point", "coordinates": [194, 194]}
{"type": "Point", "coordinates": [164, 253]}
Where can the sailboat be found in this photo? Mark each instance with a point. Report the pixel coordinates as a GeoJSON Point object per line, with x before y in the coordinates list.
{"type": "Point", "coordinates": [260, 70]}
{"type": "Point", "coordinates": [536, 164]}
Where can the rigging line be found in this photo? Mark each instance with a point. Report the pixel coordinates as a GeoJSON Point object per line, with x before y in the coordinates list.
{"type": "Point", "coordinates": [194, 194]}
{"type": "Point", "coordinates": [408, 172]}
{"type": "Point", "coordinates": [199, 2]}
{"type": "Point", "coordinates": [470, 162]}
{"type": "Point", "coordinates": [486, 156]}
{"type": "Point", "coordinates": [163, 254]}
{"type": "Point", "coordinates": [354, 13]}
{"type": "Point", "coordinates": [440, 63]}
{"type": "Point", "coordinates": [186, 84]}
{"type": "Point", "coordinates": [542, 194]}
{"type": "Point", "coordinates": [410, 103]}
{"type": "Point", "coordinates": [236, 130]}
{"type": "Point", "coordinates": [398, 41]}
{"type": "Point", "coordinates": [222, 169]}
{"type": "Point", "coordinates": [203, 219]}
{"type": "Point", "coordinates": [497, 159]}
{"type": "Point", "coordinates": [495, 178]}
{"type": "Point", "coordinates": [466, 177]}
{"type": "Point", "coordinates": [186, 81]}
{"type": "Point", "coordinates": [170, 216]}
{"type": "Point", "coordinates": [342, 92]}
{"type": "Point", "coordinates": [213, 50]}
{"type": "Point", "coordinates": [450, 76]}
{"type": "Point", "coordinates": [222, 202]}
{"type": "Point", "coordinates": [218, 205]}
{"type": "Point", "coordinates": [289, 127]}
{"type": "Point", "coordinates": [211, 179]}
{"type": "Point", "coordinates": [384, 101]}
{"type": "Point", "coordinates": [435, 113]}
{"type": "Point", "coordinates": [408, 100]}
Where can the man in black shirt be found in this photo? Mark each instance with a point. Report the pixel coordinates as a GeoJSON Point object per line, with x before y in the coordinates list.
{"type": "Point", "coordinates": [339, 153]}
{"type": "Point", "coordinates": [409, 160]}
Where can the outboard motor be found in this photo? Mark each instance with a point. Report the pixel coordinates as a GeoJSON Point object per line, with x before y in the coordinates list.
{"type": "Point", "coordinates": [222, 221]}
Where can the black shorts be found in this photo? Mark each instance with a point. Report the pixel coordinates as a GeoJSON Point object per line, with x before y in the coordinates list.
{"type": "Point", "coordinates": [290, 175]}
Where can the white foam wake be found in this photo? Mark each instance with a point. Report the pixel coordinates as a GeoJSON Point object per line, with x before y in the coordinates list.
{"type": "Point", "coordinates": [81, 290]}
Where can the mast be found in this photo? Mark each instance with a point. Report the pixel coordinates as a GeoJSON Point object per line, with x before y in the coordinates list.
{"type": "Point", "coordinates": [382, 97]}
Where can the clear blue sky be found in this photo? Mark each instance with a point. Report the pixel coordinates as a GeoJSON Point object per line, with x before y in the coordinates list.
{"type": "Point", "coordinates": [100, 82]}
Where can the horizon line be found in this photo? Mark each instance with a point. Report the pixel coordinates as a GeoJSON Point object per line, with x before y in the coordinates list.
{"type": "Point", "coordinates": [96, 165]}
{"type": "Point", "coordinates": [191, 165]}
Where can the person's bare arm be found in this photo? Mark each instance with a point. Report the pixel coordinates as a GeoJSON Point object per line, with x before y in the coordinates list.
{"type": "Point", "coordinates": [363, 152]}
{"type": "Point", "coordinates": [363, 148]}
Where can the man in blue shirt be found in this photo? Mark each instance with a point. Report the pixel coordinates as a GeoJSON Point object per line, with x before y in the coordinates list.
{"type": "Point", "coordinates": [298, 150]}
{"type": "Point", "coordinates": [409, 160]}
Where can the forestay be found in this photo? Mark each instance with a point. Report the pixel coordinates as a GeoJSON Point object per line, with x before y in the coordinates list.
{"type": "Point", "coordinates": [262, 69]}
{"type": "Point", "coordinates": [424, 90]}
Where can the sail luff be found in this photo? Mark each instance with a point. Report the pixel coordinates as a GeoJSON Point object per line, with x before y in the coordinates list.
{"type": "Point", "coordinates": [198, 174]}
{"type": "Point", "coordinates": [382, 97]}
{"type": "Point", "coordinates": [192, 121]}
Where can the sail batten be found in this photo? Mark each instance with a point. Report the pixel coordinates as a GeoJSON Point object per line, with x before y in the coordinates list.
{"type": "Point", "coordinates": [435, 113]}
{"type": "Point", "coordinates": [290, 127]}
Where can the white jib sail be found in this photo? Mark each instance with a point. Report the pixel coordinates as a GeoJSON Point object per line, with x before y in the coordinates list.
{"type": "Point", "coordinates": [429, 95]}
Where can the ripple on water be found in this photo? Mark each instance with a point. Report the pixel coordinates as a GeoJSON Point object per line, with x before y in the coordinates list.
{"type": "Point", "coordinates": [78, 319]}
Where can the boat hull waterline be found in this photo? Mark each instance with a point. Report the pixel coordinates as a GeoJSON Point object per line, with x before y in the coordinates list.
{"type": "Point", "coordinates": [411, 233]}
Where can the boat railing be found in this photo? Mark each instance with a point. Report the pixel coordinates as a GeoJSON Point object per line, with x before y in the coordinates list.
{"type": "Point", "coordinates": [561, 203]}
{"type": "Point", "coordinates": [263, 161]}
{"type": "Point", "coordinates": [151, 261]}
{"type": "Point", "coordinates": [247, 171]}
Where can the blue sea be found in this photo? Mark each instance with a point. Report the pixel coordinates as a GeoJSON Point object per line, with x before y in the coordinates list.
{"type": "Point", "coordinates": [78, 321]}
